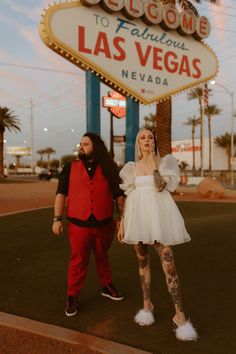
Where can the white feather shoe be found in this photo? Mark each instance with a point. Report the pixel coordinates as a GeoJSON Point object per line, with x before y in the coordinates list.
{"type": "Point", "coordinates": [185, 331]}
{"type": "Point", "coordinates": [144, 317]}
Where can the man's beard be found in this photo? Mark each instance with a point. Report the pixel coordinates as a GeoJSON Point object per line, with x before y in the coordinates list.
{"type": "Point", "coordinates": [86, 157]}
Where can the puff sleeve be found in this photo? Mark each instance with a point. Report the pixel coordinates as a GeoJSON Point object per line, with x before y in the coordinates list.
{"type": "Point", "coordinates": [128, 176]}
{"type": "Point", "coordinates": [169, 170]}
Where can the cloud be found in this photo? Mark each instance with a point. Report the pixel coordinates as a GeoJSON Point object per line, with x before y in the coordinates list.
{"type": "Point", "coordinates": [33, 13]}
{"type": "Point", "coordinates": [7, 20]}
{"type": "Point", "coordinates": [8, 99]}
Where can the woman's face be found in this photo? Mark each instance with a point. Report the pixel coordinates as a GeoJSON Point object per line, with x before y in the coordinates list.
{"type": "Point", "coordinates": [146, 141]}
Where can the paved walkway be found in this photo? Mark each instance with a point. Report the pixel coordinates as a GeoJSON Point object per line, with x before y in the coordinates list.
{"type": "Point", "coordinates": [23, 336]}
{"type": "Point", "coordinates": [17, 197]}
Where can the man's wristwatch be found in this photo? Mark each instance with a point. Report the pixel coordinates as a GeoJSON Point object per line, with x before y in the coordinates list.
{"type": "Point", "coordinates": [57, 218]}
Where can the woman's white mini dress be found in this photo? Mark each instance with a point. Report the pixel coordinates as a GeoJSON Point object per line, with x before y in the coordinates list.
{"type": "Point", "coordinates": [151, 215]}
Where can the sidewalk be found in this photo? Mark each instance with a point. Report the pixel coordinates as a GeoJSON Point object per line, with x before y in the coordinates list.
{"type": "Point", "coordinates": [17, 197]}
{"type": "Point", "coordinates": [20, 335]}
{"type": "Point", "coordinates": [189, 193]}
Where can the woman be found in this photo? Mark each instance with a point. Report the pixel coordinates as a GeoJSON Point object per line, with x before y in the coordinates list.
{"type": "Point", "coordinates": [152, 217]}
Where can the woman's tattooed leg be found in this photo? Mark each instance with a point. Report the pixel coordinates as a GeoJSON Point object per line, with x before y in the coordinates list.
{"type": "Point", "coordinates": [172, 280]}
{"type": "Point", "coordinates": [144, 273]}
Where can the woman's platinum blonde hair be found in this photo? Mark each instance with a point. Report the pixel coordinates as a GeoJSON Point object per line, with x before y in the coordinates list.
{"type": "Point", "coordinates": [138, 152]}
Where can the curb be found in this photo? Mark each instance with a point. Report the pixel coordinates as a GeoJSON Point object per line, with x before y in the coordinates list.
{"type": "Point", "coordinates": [92, 344]}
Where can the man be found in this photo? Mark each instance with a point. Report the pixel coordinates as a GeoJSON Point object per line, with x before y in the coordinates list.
{"type": "Point", "coordinates": [89, 185]}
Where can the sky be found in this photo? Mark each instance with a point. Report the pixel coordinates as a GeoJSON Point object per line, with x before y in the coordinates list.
{"type": "Point", "coordinates": [36, 82]}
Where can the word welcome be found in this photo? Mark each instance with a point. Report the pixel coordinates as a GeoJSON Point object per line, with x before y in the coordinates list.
{"type": "Point", "coordinates": [154, 13]}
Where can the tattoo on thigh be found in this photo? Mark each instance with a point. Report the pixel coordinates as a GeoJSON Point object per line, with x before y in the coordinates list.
{"type": "Point", "coordinates": [143, 256]}
{"type": "Point", "coordinates": [167, 256]}
{"type": "Point", "coordinates": [143, 261]}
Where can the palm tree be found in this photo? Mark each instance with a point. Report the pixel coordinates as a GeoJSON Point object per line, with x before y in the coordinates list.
{"type": "Point", "coordinates": [211, 110]}
{"type": "Point", "coordinates": [185, 2]}
{"type": "Point", "coordinates": [165, 107]}
{"type": "Point", "coordinates": [49, 151]}
{"type": "Point", "coordinates": [224, 141]}
{"type": "Point", "coordinates": [194, 94]}
{"type": "Point", "coordinates": [163, 126]}
{"type": "Point", "coordinates": [9, 121]}
{"type": "Point", "coordinates": [41, 152]}
{"type": "Point", "coordinates": [193, 122]}
{"type": "Point", "coordinates": [150, 121]}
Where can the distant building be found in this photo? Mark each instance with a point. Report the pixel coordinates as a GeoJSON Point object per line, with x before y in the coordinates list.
{"type": "Point", "coordinates": [183, 151]}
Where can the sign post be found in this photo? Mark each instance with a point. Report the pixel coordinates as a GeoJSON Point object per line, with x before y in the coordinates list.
{"type": "Point", "coordinates": [132, 128]}
{"type": "Point", "coordinates": [116, 103]}
{"type": "Point", "coordinates": [93, 102]}
{"type": "Point", "coordinates": [111, 135]}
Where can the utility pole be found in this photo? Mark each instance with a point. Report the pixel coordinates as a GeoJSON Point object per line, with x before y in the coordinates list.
{"type": "Point", "coordinates": [203, 101]}
{"type": "Point", "coordinates": [202, 138]}
{"type": "Point", "coordinates": [111, 135]}
{"type": "Point", "coordinates": [31, 135]}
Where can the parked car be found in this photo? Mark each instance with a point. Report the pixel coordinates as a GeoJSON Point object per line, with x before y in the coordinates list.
{"type": "Point", "coordinates": [47, 174]}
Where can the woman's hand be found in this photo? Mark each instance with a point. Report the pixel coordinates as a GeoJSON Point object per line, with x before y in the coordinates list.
{"type": "Point", "coordinates": [120, 232]}
{"type": "Point", "coordinates": [152, 148]}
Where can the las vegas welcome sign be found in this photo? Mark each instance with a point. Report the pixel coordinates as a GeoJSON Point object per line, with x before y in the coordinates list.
{"type": "Point", "coordinates": [140, 48]}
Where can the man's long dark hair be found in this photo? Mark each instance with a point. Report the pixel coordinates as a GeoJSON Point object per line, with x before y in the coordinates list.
{"type": "Point", "coordinates": [105, 160]}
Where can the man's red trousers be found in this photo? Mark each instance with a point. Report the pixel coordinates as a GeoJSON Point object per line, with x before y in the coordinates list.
{"type": "Point", "coordinates": [83, 240]}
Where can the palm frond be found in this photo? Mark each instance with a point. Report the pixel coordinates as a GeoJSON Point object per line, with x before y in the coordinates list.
{"type": "Point", "coordinates": [8, 120]}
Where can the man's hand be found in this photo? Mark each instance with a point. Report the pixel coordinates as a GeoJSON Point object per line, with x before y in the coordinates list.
{"type": "Point", "coordinates": [57, 227]}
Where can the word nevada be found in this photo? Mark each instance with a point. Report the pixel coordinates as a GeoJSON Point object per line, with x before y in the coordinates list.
{"type": "Point", "coordinates": [153, 12]}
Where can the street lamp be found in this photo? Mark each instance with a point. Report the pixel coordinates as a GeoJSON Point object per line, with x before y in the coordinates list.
{"type": "Point", "coordinates": [59, 133]}
{"type": "Point", "coordinates": [232, 130]}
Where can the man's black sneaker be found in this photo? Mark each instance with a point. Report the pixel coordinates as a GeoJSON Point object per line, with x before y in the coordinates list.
{"type": "Point", "coordinates": [71, 306]}
{"type": "Point", "coordinates": [111, 292]}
